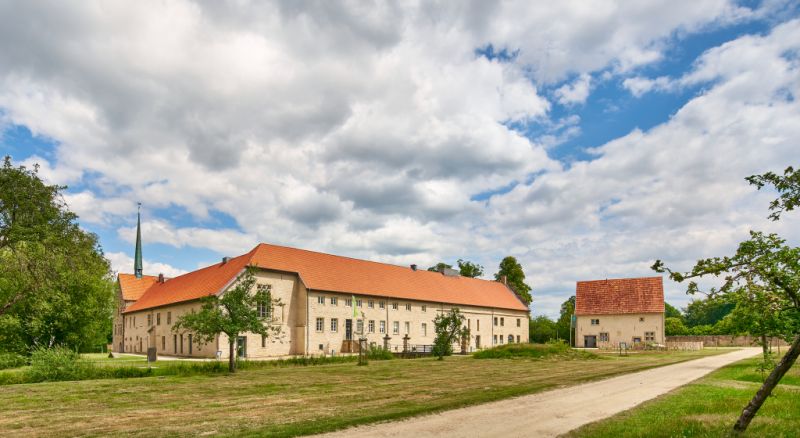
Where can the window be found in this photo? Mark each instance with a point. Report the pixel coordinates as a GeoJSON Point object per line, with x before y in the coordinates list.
{"type": "Point", "coordinates": [163, 343]}
{"type": "Point", "coordinates": [149, 319]}
{"type": "Point", "coordinates": [263, 341]}
{"type": "Point", "coordinates": [383, 326]}
{"type": "Point", "coordinates": [650, 336]}
{"type": "Point", "coordinates": [348, 303]}
{"type": "Point", "coordinates": [595, 322]}
{"type": "Point", "coordinates": [502, 322]}
{"type": "Point", "coordinates": [501, 339]}
{"type": "Point", "coordinates": [478, 325]}
{"type": "Point", "coordinates": [408, 327]}
{"type": "Point", "coordinates": [518, 322]}
{"type": "Point", "coordinates": [181, 344]}
{"type": "Point", "coordinates": [320, 324]}
{"type": "Point", "coordinates": [394, 306]}
{"type": "Point", "coordinates": [334, 324]}
{"type": "Point", "coordinates": [641, 319]}
{"type": "Point", "coordinates": [371, 326]}
{"type": "Point", "coordinates": [360, 326]}
{"type": "Point", "coordinates": [424, 308]}
{"type": "Point", "coordinates": [494, 341]}
{"type": "Point", "coordinates": [408, 307]}
{"type": "Point", "coordinates": [321, 347]}
{"type": "Point", "coordinates": [371, 304]}
{"type": "Point", "coordinates": [321, 300]}
{"type": "Point", "coordinates": [264, 306]}
{"type": "Point", "coordinates": [175, 343]}
{"type": "Point", "coordinates": [510, 339]}
{"type": "Point", "coordinates": [158, 318]}
{"type": "Point", "coordinates": [334, 301]}
{"type": "Point", "coordinates": [603, 336]}
{"type": "Point", "coordinates": [169, 318]}
{"type": "Point", "coordinates": [358, 303]}
{"type": "Point", "coordinates": [495, 321]}
{"type": "Point", "coordinates": [190, 343]}
{"type": "Point", "coordinates": [396, 327]}
{"type": "Point", "coordinates": [382, 304]}
{"type": "Point", "coordinates": [424, 329]}
{"type": "Point", "coordinates": [517, 339]}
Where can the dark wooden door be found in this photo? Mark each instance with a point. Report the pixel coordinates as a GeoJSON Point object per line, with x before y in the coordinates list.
{"type": "Point", "coordinates": [590, 341]}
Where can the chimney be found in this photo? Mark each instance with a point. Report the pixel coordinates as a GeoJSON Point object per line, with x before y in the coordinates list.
{"type": "Point", "coordinates": [504, 279]}
{"type": "Point", "coordinates": [413, 267]}
{"type": "Point", "coordinates": [225, 260]}
{"type": "Point", "coordinates": [160, 278]}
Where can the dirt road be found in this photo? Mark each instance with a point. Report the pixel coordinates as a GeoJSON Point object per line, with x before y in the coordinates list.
{"type": "Point", "coordinates": [553, 412]}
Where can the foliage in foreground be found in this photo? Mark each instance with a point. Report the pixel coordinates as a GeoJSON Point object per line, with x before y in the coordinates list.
{"type": "Point", "coordinates": [706, 408]}
{"type": "Point", "coordinates": [379, 353]}
{"type": "Point", "coordinates": [534, 351]}
{"type": "Point", "coordinates": [12, 360]}
{"type": "Point", "coordinates": [449, 329]}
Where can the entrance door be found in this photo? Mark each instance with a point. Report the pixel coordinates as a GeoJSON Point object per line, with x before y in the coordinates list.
{"type": "Point", "coordinates": [348, 329]}
{"type": "Point", "coordinates": [590, 341]}
{"type": "Point", "coordinates": [478, 341]}
{"type": "Point", "coordinates": [241, 346]}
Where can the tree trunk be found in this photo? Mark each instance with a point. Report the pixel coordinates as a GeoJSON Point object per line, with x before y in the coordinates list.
{"type": "Point", "coordinates": [231, 355]}
{"type": "Point", "coordinates": [766, 389]}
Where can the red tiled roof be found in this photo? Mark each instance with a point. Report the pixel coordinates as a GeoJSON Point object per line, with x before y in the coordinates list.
{"type": "Point", "coordinates": [623, 295]}
{"type": "Point", "coordinates": [133, 288]}
{"type": "Point", "coordinates": [326, 272]}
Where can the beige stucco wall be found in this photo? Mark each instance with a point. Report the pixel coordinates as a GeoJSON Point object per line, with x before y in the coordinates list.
{"type": "Point", "coordinates": [482, 333]}
{"type": "Point", "coordinates": [299, 306]}
{"type": "Point", "coordinates": [620, 328]}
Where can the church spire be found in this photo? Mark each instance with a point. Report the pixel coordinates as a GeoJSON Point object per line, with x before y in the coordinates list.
{"type": "Point", "coordinates": [137, 262]}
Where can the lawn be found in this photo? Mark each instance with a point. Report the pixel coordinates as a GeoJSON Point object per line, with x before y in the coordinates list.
{"type": "Point", "coordinates": [289, 401]}
{"type": "Point", "coordinates": [709, 407]}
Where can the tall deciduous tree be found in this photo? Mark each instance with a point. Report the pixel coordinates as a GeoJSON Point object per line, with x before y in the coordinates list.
{"type": "Point", "coordinates": [245, 307]}
{"type": "Point", "coordinates": [449, 328]}
{"type": "Point", "coordinates": [55, 283]}
{"type": "Point", "coordinates": [468, 269]}
{"type": "Point", "coordinates": [765, 264]}
{"type": "Point", "coordinates": [564, 323]}
{"type": "Point", "coordinates": [515, 277]}
{"type": "Point", "coordinates": [541, 329]}
{"type": "Point", "coordinates": [671, 312]}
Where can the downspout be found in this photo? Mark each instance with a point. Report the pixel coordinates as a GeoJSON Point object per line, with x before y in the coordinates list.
{"type": "Point", "coordinates": [308, 321]}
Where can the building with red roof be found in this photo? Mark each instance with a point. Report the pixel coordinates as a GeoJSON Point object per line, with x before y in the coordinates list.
{"type": "Point", "coordinates": [613, 311]}
{"type": "Point", "coordinates": [326, 302]}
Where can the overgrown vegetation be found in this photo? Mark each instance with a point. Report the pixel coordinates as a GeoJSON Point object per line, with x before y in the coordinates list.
{"type": "Point", "coordinates": [555, 349]}
{"type": "Point", "coordinates": [707, 407]}
{"type": "Point", "coordinates": [12, 360]}
{"type": "Point", "coordinates": [379, 353]}
{"type": "Point", "coordinates": [299, 399]}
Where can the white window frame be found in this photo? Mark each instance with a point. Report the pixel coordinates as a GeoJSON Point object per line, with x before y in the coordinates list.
{"type": "Point", "coordinates": [371, 304]}
{"type": "Point", "coordinates": [320, 325]}
{"type": "Point", "coordinates": [424, 329]}
{"type": "Point", "coordinates": [383, 327]}
{"type": "Point", "coordinates": [395, 327]}
{"type": "Point", "coordinates": [371, 326]}
{"type": "Point", "coordinates": [382, 304]}
{"type": "Point", "coordinates": [408, 307]}
{"type": "Point", "coordinates": [407, 327]}
{"type": "Point", "coordinates": [321, 299]}
{"type": "Point", "coordinates": [334, 301]}
{"type": "Point", "coordinates": [395, 306]}
{"type": "Point", "coordinates": [334, 325]}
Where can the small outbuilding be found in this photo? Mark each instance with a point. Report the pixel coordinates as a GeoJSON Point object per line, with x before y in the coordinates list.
{"type": "Point", "coordinates": [610, 312]}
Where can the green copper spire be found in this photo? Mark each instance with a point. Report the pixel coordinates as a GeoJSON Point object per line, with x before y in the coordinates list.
{"type": "Point", "coordinates": [137, 262]}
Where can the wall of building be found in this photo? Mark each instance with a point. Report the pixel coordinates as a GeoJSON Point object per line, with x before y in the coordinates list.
{"type": "Point", "coordinates": [416, 322]}
{"type": "Point", "coordinates": [119, 327]}
{"type": "Point", "coordinates": [620, 328]}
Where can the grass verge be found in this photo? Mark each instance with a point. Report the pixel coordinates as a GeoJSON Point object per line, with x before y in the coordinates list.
{"type": "Point", "coordinates": [558, 350]}
{"type": "Point", "coordinates": [290, 401]}
{"type": "Point", "coordinates": [708, 408]}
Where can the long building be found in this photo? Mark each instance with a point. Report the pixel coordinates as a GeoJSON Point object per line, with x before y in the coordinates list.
{"type": "Point", "coordinates": [394, 306]}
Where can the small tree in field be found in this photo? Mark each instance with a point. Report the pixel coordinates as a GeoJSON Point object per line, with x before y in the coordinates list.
{"type": "Point", "coordinates": [449, 329]}
{"type": "Point", "coordinates": [763, 280]}
{"type": "Point", "coordinates": [240, 309]}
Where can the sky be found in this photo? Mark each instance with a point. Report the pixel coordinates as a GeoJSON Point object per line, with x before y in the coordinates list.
{"type": "Point", "coordinates": [586, 139]}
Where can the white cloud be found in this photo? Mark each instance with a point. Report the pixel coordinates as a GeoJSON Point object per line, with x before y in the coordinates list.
{"type": "Point", "coordinates": [576, 92]}
{"type": "Point", "coordinates": [363, 130]}
{"type": "Point", "coordinates": [123, 263]}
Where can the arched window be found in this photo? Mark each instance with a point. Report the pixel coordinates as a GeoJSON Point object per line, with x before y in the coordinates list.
{"type": "Point", "coordinates": [510, 339]}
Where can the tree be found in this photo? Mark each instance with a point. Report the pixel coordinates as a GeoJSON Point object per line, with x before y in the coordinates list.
{"type": "Point", "coordinates": [469, 269]}
{"type": "Point", "coordinates": [242, 308]}
{"type": "Point", "coordinates": [788, 187]}
{"type": "Point", "coordinates": [440, 267]}
{"type": "Point", "coordinates": [449, 329]}
{"type": "Point", "coordinates": [564, 323]}
{"type": "Point", "coordinates": [515, 278]}
{"type": "Point", "coordinates": [674, 326]}
{"type": "Point", "coordinates": [541, 329]}
{"type": "Point", "coordinates": [707, 311]}
{"type": "Point", "coordinates": [55, 283]}
{"type": "Point", "coordinates": [672, 312]}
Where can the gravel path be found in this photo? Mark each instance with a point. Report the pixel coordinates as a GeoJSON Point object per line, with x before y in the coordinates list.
{"type": "Point", "coordinates": [553, 412]}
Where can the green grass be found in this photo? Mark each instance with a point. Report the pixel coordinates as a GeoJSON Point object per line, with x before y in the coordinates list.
{"type": "Point", "coordinates": [292, 400]}
{"type": "Point", "coordinates": [534, 351]}
{"type": "Point", "coordinates": [709, 407]}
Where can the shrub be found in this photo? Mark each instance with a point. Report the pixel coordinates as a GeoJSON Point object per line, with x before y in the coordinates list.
{"type": "Point", "coordinates": [12, 360]}
{"type": "Point", "coordinates": [379, 353]}
{"type": "Point", "coordinates": [57, 363]}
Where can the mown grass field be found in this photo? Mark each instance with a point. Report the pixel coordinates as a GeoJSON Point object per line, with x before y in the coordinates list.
{"type": "Point", "coordinates": [709, 407]}
{"type": "Point", "coordinates": [289, 401]}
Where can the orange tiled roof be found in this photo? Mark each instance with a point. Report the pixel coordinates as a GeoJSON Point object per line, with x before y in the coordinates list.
{"type": "Point", "coordinates": [623, 295]}
{"type": "Point", "coordinates": [331, 273]}
{"type": "Point", "coordinates": [133, 288]}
